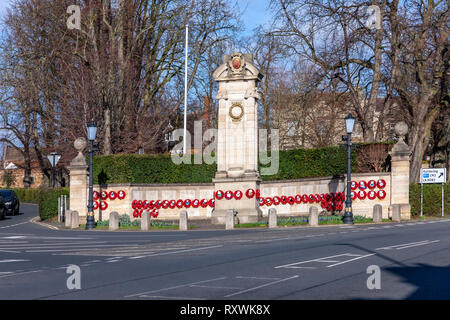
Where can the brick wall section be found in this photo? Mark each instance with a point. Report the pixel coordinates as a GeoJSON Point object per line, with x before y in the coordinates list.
{"type": "Point", "coordinates": [37, 175]}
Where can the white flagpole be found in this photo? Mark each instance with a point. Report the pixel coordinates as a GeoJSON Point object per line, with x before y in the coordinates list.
{"type": "Point", "coordinates": [185, 91]}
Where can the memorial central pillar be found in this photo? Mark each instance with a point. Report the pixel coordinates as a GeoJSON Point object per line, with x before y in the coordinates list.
{"type": "Point", "coordinates": [237, 144]}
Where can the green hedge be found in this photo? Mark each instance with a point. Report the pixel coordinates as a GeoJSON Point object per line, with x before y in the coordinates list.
{"type": "Point", "coordinates": [312, 163]}
{"type": "Point", "coordinates": [293, 164]}
{"type": "Point", "coordinates": [136, 168]}
{"type": "Point", "coordinates": [45, 198]}
{"type": "Point", "coordinates": [431, 199]}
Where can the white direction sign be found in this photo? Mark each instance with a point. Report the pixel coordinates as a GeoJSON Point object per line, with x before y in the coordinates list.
{"type": "Point", "coordinates": [433, 175]}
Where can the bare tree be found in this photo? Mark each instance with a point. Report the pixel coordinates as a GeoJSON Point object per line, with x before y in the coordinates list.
{"type": "Point", "coordinates": [419, 55]}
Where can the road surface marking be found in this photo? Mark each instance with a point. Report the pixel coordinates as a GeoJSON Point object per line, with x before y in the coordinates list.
{"type": "Point", "coordinates": [175, 287]}
{"type": "Point", "coordinates": [367, 255]}
{"type": "Point", "coordinates": [407, 245]}
{"type": "Point", "coordinates": [324, 260]}
{"type": "Point", "coordinates": [14, 237]}
{"type": "Point", "coordinates": [18, 274]}
{"type": "Point", "coordinates": [214, 287]}
{"type": "Point", "coordinates": [12, 260]}
{"type": "Point", "coordinates": [261, 286]}
{"type": "Point", "coordinates": [257, 278]}
{"type": "Point", "coordinates": [13, 225]}
{"type": "Point", "coordinates": [418, 244]}
{"type": "Point", "coordinates": [181, 251]}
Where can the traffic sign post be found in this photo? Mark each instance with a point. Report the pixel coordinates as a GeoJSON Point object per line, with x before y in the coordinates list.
{"type": "Point", "coordinates": [53, 158]}
{"type": "Point", "coordinates": [433, 175]}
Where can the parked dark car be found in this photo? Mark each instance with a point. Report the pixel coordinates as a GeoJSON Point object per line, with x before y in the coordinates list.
{"type": "Point", "coordinates": [2, 208]}
{"type": "Point", "coordinates": [12, 203]}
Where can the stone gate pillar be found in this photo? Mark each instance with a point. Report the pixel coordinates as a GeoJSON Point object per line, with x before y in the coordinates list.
{"type": "Point", "coordinates": [79, 181]}
{"type": "Point", "coordinates": [400, 173]}
{"type": "Point", "coordinates": [237, 143]}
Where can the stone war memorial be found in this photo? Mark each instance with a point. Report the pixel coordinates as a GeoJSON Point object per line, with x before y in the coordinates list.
{"type": "Point", "coordinates": [237, 145]}
{"type": "Point", "coordinates": [237, 185]}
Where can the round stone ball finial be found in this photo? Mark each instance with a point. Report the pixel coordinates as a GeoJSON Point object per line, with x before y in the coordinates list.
{"type": "Point", "coordinates": [80, 144]}
{"type": "Point", "coordinates": [401, 129]}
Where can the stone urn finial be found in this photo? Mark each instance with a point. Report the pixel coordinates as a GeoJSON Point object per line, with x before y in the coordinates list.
{"type": "Point", "coordinates": [79, 144]}
{"type": "Point", "coordinates": [401, 130]}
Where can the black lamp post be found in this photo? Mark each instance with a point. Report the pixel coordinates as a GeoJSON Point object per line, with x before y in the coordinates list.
{"type": "Point", "coordinates": [53, 158]}
{"type": "Point", "coordinates": [92, 132]}
{"type": "Point", "coordinates": [349, 124]}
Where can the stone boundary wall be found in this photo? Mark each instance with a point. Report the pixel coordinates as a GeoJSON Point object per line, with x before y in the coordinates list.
{"type": "Point", "coordinates": [268, 189]}
{"type": "Point", "coordinates": [396, 190]}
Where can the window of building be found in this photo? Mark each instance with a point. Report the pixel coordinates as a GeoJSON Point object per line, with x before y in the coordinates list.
{"type": "Point", "coordinates": [292, 128]}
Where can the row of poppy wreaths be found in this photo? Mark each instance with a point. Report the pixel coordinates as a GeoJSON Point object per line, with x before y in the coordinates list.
{"type": "Point", "coordinates": [329, 201]}
{"type": "Point", "coordinates": [112, 195]}
{"type": "Point", "coordinates": [104, 195]}
{"type": "Point", "coordinates": [371, 184]}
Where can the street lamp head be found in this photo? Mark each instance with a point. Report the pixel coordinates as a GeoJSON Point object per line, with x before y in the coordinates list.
{"type": "Point", "coordinates": [349, 123]}
{"type": "Point", "coordinates": [92, 130]}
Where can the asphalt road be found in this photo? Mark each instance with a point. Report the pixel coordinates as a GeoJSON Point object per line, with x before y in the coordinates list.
{"type": "Point", "coordinates": [329, 262]}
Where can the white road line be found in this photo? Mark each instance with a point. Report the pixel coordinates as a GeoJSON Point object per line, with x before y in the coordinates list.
{"type": "Point", "coordinates": [181, 251]}
{"type": "Point", "coordinates": [214, 287]}
{"type": "Point", "coordinates": [336, 264]}
{"type": "Point", "coordinates": [324, 259]}
{"type": "Point", "coordinates": [261, 286]}
{"type": "Point", "coordinates": [13, 225]}
{"type": "Point", "coordinates": [175, 287]}
{"type": "Point", "coordinates": [18, 274]}
{"type": "Point", "coordinates": [5, 242]}
{"type": "Point", "coordinates": [47, 245]}
{"type": "Point", "coordinates": [303, 262]}
{"type": "Point", "coordinates": [13, 260]}
{"type": "Point", "coordinates": [415, 245]}
{"type": "Point", "coordinates": [72, 249]}
{"type": "Point", "coordinates": [407, 245]}
{"type": "Point", "coordinates": [257, 278]}
{"type": "Point", "coordinates": [14, 237]}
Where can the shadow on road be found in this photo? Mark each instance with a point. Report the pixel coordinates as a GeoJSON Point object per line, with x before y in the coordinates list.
{"type": "Point", "coordinates": [432, 282]}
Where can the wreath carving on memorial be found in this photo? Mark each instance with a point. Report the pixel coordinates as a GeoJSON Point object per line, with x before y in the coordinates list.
{"type": "Point", "coordinates": [236, 111]}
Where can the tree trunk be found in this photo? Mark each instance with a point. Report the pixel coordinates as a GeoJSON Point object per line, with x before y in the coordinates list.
{"type": "Point", "coordinates": [107, 135]}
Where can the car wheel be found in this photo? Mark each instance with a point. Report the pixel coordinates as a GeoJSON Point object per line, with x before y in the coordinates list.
{"type": "Point", "coordinates": [16, 212]}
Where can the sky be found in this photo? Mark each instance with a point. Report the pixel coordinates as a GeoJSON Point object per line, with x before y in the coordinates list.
{"type": "Point", "coordinates": [256, 12]}
{"type": "Point", "coordinates": [3, 5]}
